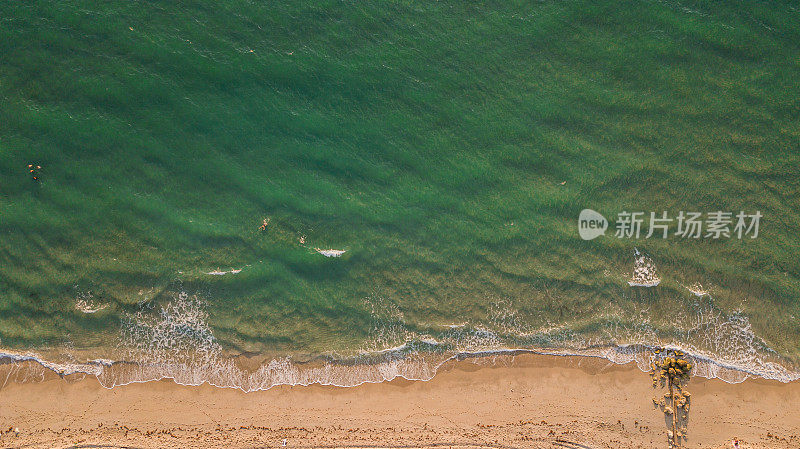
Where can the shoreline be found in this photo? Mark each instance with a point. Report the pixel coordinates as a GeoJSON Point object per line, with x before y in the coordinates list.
{"type": "Point", "coordinates": [259, 372]}
{"type": "Point", "coordinates": [528, 400]}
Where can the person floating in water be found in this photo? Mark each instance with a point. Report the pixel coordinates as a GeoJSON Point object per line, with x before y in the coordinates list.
{"type": "Point", "coordinates": [34, 171]}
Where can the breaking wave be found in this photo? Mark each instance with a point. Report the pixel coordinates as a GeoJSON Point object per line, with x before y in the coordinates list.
{"type": "Point", "coordinates": [175, 342]}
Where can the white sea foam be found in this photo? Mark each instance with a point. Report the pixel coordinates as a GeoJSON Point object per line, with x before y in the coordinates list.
{"type": "Point", "coordinates": [86, 304]}
{"type": "Point", "coordinates": [330, 252]}
{"type": "Point", "coordinates": [415, 366]}
{"type": "Point", "coordinates": [177, 334]}
{"type": "Point", "coordinates": [698, 290]}
{"type": "Point", "coordinates": [217, 272]}
{"type": "Point", "coordinates": [32, 367]}
{"type": "Point", "coordinates": [174, 341]}
{"type": "Point", "coordinates": [644, 271]}
{"type": "Point", "coordinates": [89, 306]}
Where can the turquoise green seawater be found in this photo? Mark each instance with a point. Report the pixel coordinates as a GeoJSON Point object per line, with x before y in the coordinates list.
{"type": "Point", "coordinates": [447, 147]}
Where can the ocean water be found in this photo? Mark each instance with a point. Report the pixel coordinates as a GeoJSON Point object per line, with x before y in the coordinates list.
{"type": "Point", "coordinates": [250, 194]}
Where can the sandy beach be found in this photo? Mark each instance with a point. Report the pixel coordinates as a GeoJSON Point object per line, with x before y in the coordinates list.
{"type": "Point", "coordinates": [529, 401]}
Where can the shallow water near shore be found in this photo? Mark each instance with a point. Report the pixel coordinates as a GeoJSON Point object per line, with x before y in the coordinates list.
{"type": "Point", "coordinates": [252, 195]}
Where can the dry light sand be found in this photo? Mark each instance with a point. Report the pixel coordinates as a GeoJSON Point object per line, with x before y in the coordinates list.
{"type": "Point", "coordinates": [530, 402]}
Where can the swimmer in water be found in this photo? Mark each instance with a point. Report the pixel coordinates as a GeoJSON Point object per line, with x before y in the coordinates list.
{"type": "Point", "coordinates": [34, 171]}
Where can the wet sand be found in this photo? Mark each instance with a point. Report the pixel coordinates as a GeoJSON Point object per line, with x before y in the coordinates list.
{"type": "Point", "coordinates": [530, 401]}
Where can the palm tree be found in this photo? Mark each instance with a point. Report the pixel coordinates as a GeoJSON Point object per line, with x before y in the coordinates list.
{"type": "Point", "coordinates": [670, 368]}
